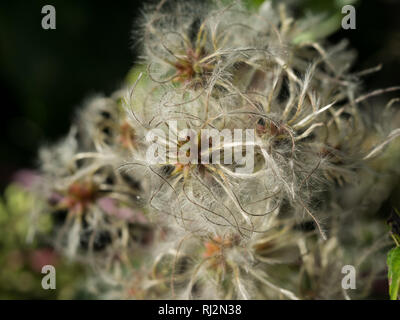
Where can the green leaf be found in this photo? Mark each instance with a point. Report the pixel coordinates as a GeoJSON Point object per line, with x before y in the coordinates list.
{"type": "Point", "coordinates": [393, 262]}
{"type": "Point", "coordinates": [254, 3]}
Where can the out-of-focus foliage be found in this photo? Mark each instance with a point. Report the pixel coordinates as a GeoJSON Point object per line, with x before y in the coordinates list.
{"type": "Point", "coordinates": [393, 259]}
{"type": "Point", "coordinates": [393, 262]}
{"type": "Point", "coordinates": [21, 263]}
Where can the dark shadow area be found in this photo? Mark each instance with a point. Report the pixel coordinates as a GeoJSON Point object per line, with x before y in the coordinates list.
{"type": "Point", "coordinates": [46, 74]}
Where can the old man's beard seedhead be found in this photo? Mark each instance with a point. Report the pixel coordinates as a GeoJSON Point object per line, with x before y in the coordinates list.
{"type": "Point", "coordinates": [219, 217]}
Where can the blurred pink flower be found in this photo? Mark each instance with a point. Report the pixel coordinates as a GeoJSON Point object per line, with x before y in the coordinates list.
{"type": "Point", "coordinates": [111, 207]}
{"type": "Point", "coordinates": [41, 257]}
{"type": "Point", "coordinates": [26, 178]}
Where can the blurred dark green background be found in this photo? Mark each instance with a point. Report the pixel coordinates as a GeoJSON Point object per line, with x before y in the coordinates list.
{"type": "Point", "coordinates": [45, 74]}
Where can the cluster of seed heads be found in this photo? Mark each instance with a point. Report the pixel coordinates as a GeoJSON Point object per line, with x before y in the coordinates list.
{"type": "Point", "coordinates": [208, 230]}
